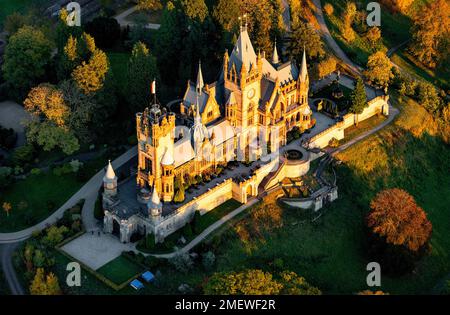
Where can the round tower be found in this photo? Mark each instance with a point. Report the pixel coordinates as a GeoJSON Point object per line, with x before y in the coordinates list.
{"type": "Point", "coordinates": [167, 179]}
{"type": "Point", "coordinates": [110, 181]}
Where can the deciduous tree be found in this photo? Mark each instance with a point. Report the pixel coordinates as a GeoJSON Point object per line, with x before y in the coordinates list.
{"type": "Point", "coordinates": [149, 4]}
{"type": "Point", "coordinates": [305, 37]}
{"type": "Point", "coordinates": [430, 31]}
{"type": "Point", "coordinates": [379, 69]}
{"type": "Point", "coordinates": [26, 56]}
{"type": "Point", "coordinates": [395, 217]}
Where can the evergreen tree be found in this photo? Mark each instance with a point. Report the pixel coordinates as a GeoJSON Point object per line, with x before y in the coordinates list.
{"type": "Point", "coordinates": [358, 98]}
{"type": "Point", "coordinates": [140, 73]}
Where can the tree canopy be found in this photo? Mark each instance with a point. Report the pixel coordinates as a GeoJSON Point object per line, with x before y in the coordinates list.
{"type": "Point", "coordinates": [305, 37]}
{"type": "Point", "coordinates": [258, 282]}
{"type": "Point", "coordinates": [26, 57]}
{"type": "Point", "coordinates": [396, 217]}
{"type": "Point", "coordinates": [358, 98]}
{"type": "Point", "coordinates": [379, 69]}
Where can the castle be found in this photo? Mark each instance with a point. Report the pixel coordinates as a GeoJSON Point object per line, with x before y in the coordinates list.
{"type": "Point", "coordinates": [243, 116]}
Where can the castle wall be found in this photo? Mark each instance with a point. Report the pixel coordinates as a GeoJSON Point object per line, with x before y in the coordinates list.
{"type": "Point", "coordinates": [375, 106]}
{"type": "Point", "coordinates": [204, 203]}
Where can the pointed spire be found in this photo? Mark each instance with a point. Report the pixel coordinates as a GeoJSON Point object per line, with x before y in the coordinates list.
{"type": "Point", "coordinates": [275, 59]}
{"type": "Point", "coordinates": [110, 172]}
{"type": "Point", "coordinates": [167, 158]}
{"type": "Point", "coordinates": [155, 197]}
{"type": "Point", "coordinates": [303, 68]}
{"type": "Point", "coordinates": [200, 83]}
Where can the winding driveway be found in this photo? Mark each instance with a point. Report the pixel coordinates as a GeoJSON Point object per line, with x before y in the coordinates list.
{"type": "Point", "coordinates": [330, 40]}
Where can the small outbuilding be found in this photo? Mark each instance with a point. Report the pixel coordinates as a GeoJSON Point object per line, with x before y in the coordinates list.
{"type": "Point", "coordinates": [148, 276]}
{"type": "Point", "coordinates": [136, 284]}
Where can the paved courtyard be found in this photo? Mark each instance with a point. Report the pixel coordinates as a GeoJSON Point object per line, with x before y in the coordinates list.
{"type": "Point", "coordinates": [96, 251]}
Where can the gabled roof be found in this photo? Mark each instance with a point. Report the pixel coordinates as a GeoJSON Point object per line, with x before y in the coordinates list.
{"type": "Point", "coordinates": [190, 97]}
{"type": "Point", "coordinates": [243, 52]}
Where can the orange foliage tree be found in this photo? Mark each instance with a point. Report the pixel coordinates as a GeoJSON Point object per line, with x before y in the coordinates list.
{"type": "Point", "coordinates": [397, 218]}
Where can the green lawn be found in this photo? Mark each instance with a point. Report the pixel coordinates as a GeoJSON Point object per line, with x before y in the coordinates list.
{"type": "Point", "coordinates": [120, 270]}
{"type": "Point", "coordinates": [217, 213]}
{"type": "Point", "coordinates": [406, 62]}
{"type": "Point", "coordinates": [365, 125]}
{"type": "Point", "coordinates": [33, 199]}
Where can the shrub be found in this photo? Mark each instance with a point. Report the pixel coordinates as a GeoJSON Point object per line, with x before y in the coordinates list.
{"type": "Point", "coordinates": [35, 171]}
{"type": "Point", "coordinates": [23, 155]}
{"type": "Point", "coordinates": [182, 262]}
{"type": "Point", "coordinates": [333, 143]}
{"type": "Point", "coordinates": [6, 177]}
{"type": "Point", "coordinates": [329, 9]}
{"type": "Point", "coordinates": [150, 241]}
{"type": "Point", "coordinates": [187, 231]}
{"type": "Point", "coordinates": [208, 260]}
{"type": "Point", "coordinates": [76, 165]}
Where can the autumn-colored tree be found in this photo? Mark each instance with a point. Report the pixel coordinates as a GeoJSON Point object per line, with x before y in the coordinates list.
{"type": "Point", "coordinates": [90, 75]}
{"type": "Point", "coordinates": [44, 284]}
{"type": "Point", "coordinates": [430, 33]}
{"type": "Point", "coordinates": [50, 127]}
{"type": "Point", "coordinates": [328, 8]}
{"type": "Point", "coordinates": [373, 35]}
{"type": "Point", "coordinates": [397, 5]}
{"type": "Point", "coordinates": [305, 37]}
{"type": "Point", "coordinates": [226, 13]}
{"type": "Point", "coordinates": [325, 67]}
{"type": "Point", "coordinates": [7, 208]}
{"type": "Point", "coordinates": [258, 282]}
{"type": "Point", "coordinates": [195, 9]}
{"type": "Point", "coordinates": [149, 4]}
{"type": "Point", "coordinates": [369, 292]}
{"type": "Point", "coordinates": [379, 69]}
{"type": "Point", "coordinates": [347, 19]}
{"type": "Point", "coordinates": [397, 218]}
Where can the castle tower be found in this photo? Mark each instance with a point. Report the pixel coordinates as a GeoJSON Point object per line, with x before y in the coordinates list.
{"type": "Point", "coordinates": [110, 181]}
{"type": "Point", "coordinates": [155, 133]}
{"type": "Point", "coordinates": [167, 180]}
{"type": "Point", "coordinates": [303, 81]}
{"type": "Point", "coordinates": [154, 206]}
{"type": "Point", "coordinates": [199, 131]}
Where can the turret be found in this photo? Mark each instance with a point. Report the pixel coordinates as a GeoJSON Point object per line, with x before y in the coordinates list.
{"type": "Point", "coordinates": [154, 206]}
{"type": "Point", "coordinates": [110, 181]}
{"type": "Point", "coordinates": [167, 180]}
